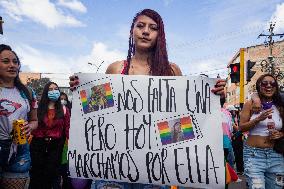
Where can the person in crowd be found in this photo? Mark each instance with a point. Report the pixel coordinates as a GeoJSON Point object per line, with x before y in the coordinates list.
{"type": "Point", "coordinates": [237, 140]}
{"type": "Point", "coordinates": [227, 127]}
{"type": "Point", "coordinates": [264, 167]}
{"type": "Point", "coordinates": [63, 181]}
{"type": "Point", "coordinates": [48, 138]}
{"type": "Point", "coordinates": [67, 182]}
{"type": "Point", "coordinates": [65, 101]}
{"type": "Point", "coordinates": [147, 55]}
{"type": "Point", "coordinates": [16, 102]}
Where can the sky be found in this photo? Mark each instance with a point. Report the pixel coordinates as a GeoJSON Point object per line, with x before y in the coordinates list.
{"type": "Point", "coordinates": [63, 36]}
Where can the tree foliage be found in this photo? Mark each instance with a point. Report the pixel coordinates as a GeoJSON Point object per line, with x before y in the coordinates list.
{"type": "Point", "coordinates": [37, 84]}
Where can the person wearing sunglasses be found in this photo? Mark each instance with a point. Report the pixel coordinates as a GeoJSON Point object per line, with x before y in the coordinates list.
{"type": "Point", "coordinates": [264, 167]}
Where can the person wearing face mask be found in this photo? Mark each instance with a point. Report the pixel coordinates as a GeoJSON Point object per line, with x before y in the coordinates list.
{"type": "Point", "coordinates": [63, 181]}
{"type": "Point", "coordinates": [48, 138]}
{"type": "Point", "coordinates": [65, 102]}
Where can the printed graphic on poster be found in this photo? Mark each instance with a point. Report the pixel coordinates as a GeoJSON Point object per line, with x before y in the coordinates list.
{"type": "Point", "coordinates": [147, 129]}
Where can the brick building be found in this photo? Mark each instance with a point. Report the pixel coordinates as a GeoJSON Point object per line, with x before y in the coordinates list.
{"type": "Point", "coordinates": [258, 54]}
{"type": "Point", "coordinates": [26, 76]}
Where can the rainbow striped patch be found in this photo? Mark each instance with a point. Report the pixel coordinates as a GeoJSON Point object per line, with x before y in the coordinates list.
{"type": "Point", "coordinates": [97, 98]}
{"type": "Point", "coordinates": [83, 95]}
{"type": "Point", "coordinates": [176, 130]}
{"type": "Point", "coordinates": [187, 129]}
{"type": "Point", "coordinates": [165, 133]}
{"type": "Point", "coordinates": [108, 95]}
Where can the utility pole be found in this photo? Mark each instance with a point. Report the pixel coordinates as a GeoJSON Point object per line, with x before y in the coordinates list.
{"type": "Point", "coordinates": [1, 27]}
{"type": "Point", "coordinates": [242, 70]}
{"type": "Point", "coordinates": [269, 66]}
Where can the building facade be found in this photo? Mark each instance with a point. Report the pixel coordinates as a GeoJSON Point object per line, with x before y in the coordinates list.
{"type": "Point", "coordinates": [27, 76]}
{"type": "Point", "coordinates": [259, 54]}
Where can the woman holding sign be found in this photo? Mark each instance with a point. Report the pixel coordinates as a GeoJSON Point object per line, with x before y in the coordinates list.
{"type": "Point", "coordinates": [147, 55]}
{"type": "Point", "coordinates": [264, 166]}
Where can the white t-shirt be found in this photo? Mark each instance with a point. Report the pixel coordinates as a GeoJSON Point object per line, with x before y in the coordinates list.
{"type": "Point", "coordinates": [13, 105]}
{"type": "Point", "coordinates": [261, 129]}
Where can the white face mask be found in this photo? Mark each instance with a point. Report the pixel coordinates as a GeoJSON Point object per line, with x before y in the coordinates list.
{"type": "Point", "coordinates": [64, 102]}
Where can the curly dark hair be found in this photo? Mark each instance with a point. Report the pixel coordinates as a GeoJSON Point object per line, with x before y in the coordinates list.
{"type": "Point", "coordinates": [159, 63]}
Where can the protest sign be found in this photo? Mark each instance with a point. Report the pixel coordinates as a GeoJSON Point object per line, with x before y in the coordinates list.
{"type": "Point", "coordinates": [147, 129]}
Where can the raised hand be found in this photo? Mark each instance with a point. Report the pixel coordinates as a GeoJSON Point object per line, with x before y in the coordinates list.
{"type": "Point", "coordinates": [73, 82]}
{"type": "Point", "coordinates": [265, 114]}
{"type": "Point", "coordinates": [219, 88]}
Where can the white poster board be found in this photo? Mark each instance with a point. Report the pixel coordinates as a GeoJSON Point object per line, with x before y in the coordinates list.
{"type": "Point", "coordinates": [147, 129]}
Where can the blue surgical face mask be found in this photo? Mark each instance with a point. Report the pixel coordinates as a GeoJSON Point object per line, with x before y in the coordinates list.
{"type": "Point", "coordinates": [53, 95]}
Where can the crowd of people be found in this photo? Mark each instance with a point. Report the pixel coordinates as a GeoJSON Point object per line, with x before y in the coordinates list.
{"type": "Point", "coordinates": [43, 162]}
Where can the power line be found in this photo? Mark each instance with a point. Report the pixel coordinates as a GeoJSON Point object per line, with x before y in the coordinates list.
{"type": "Point", "coordinates": [208, 71]}
{"type": "Point", "coordinates": [1, 25]}
{"type": "Point", "coordinates": [216, 37]}
{"type": "Point", "coordinates": [270, 66]}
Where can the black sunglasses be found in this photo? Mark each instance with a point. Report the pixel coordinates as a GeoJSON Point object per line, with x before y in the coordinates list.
{"type": "Point", "coordinates": [266, 83]}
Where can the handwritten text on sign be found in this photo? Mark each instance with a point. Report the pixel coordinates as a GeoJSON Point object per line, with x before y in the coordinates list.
{"type": "Point", "coordinates": [146, 129]}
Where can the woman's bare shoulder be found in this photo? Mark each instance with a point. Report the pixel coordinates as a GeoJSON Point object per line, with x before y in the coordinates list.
{"type": "Point", "coordinates": [176, 69]}
{"type": "Point", "coordinates": [246, 110]}
{"type": "Point", "coordinates": [248, 104]}
{"type": "Point", "coordinates": [115, 67]}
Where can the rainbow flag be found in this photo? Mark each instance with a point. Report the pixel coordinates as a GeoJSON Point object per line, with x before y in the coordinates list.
{"type": "Point", "coordinates": [165, 133]}
{"type": "Point", "coordinates": [230, 174]}
{"type": "Point", "coordinates": [108, 95]}
{"type": "Point", "coordinates": [84, 100]}
{"type": "Point", "coordinates": [187, 129]}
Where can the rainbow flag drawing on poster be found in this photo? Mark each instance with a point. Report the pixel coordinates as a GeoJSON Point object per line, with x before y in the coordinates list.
{"type": "Point", "coordinates": [97, 98]}
{"type": "Point", "coordinates": [165, 133]}
{"type": "Point", "coordinates": [186, 127]}
{"type": "Point", "coordinates": [176, 130]}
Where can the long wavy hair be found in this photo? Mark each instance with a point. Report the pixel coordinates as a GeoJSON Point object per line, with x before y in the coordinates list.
{"type": "Point", "coordinates": [159, 63]}
{"type": "Point", "coordinates": [43, 105]}
{"type": "Point", "coordinates": [17, 82]}
{"type": "Point", "coordinates": [277, 100]}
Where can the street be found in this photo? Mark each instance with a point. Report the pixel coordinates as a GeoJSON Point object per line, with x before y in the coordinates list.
{"type": "Point", "coordinates": [239, 185]}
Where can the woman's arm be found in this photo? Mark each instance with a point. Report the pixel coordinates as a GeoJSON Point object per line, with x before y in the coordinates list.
{"type": "Point", "coordinates": [219, 88]}
{"type": "Point", "coordinates": [256, 103]}
{"type": "Point", "coordinates": [32, 124]}
{"type": "Point", "coordinates": [235, 126]}
{"type": "Point", "coordinates": [245, 123]}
